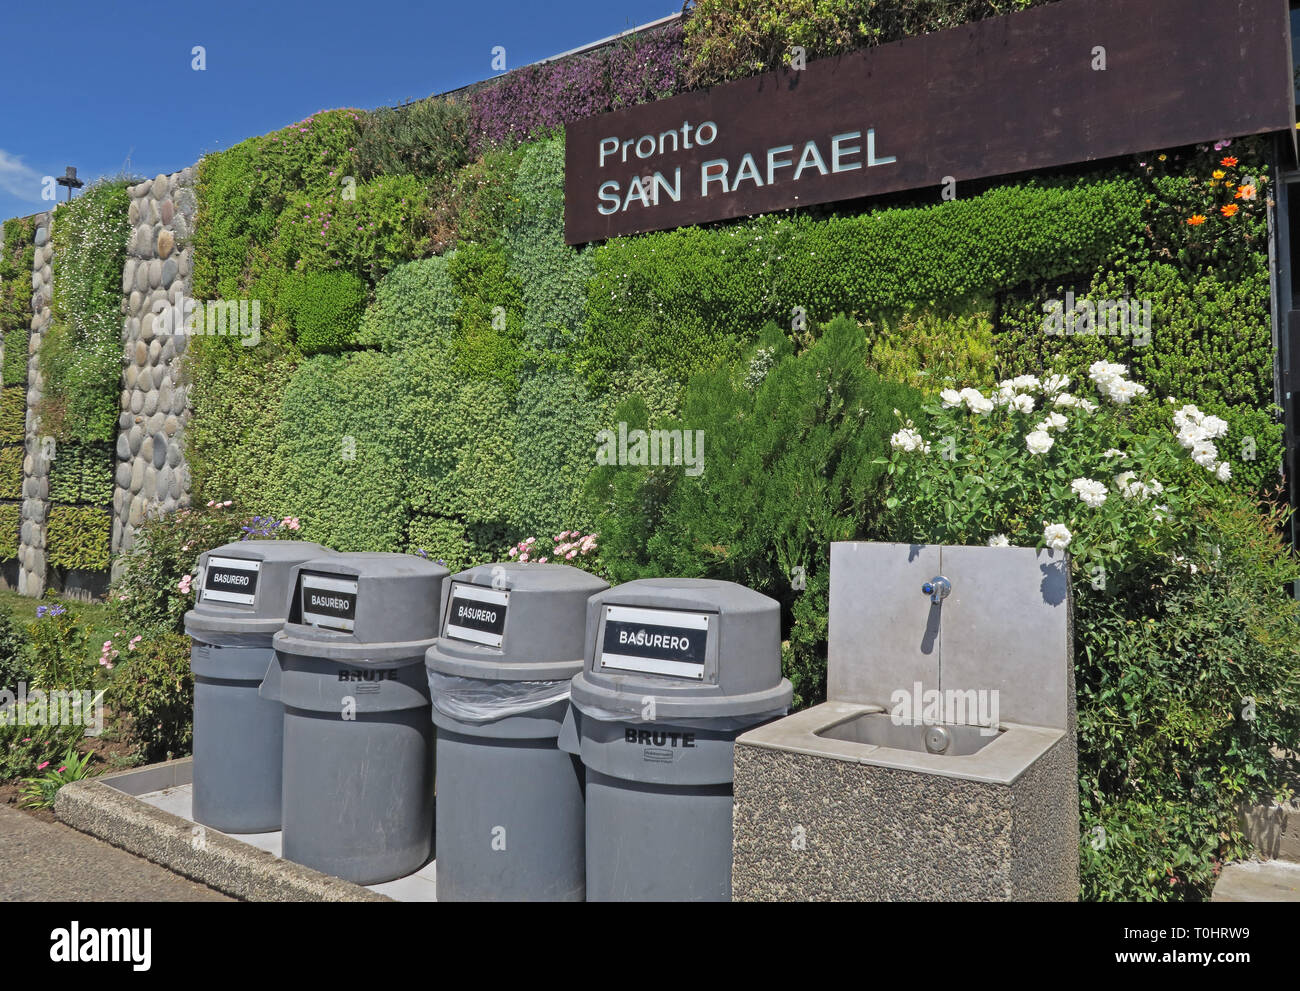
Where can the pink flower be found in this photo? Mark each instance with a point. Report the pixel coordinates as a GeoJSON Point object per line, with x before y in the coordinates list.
{"type": "Point", "coordinates": [212, 502]}
{"type": "Point", "coordinates": [185, 584]}
{"type": "Point", "coordinates": [228, 503]}
{"type": "Point", "coordinates": [523, 557]}
{"type": "Point", "coordinates": [541, 560]}
{"type": "Point", "coordinates": [62, 769]}
{"type": "Point", "coordinates": [42, 767]}
{"type": "Point", "coordinates": [108, 644]}
{"type": "Point", "coordinates": [512, 552]}
{"type": "Point", "coordinates": [569, 555]}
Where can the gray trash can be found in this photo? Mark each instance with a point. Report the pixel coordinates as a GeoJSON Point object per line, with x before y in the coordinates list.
{"type": "Point", "coordinates": [675, 670]}
{"type": "Point", "coordinates": [358, 738]}
{"type": "Point", "coordinates": [243, 589]}
{"type": "Point", "coordinates": [510, 809]}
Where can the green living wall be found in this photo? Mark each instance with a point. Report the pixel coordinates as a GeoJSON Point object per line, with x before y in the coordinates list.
{"type": "Point", "coordinates": [81, 364]}
{"type": "Point", "coordinates": [16, 259]}
{"type": "Point", "coordinates": [436, 363]}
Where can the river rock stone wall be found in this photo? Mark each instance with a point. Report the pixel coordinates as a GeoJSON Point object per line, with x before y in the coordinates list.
{"type": "Point", "coordinates": [152, 477]}
{"type": "Point", "coordinates": [36, 464]}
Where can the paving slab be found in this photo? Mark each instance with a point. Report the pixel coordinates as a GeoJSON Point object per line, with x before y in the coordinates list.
{"type": "Point", "coordinates": [1258, 881]}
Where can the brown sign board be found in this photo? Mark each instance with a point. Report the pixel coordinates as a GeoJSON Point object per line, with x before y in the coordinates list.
{"type": "Point", "coordinates": [1074, 81]}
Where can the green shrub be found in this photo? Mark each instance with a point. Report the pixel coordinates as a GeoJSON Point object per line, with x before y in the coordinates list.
{"type": "Point", "coordinates": [17, 257]}
{"type": "Point", "coordinates": [552, 277]}
{"type": "Point", "coordinates": [683, 300]}
{"type": "Point", "coordinates": [339, 466]}
{"type": "Point", "coordinates": [24, 748]}
{"type": "Point", "coordinates": [78, 537]}
{"type": "Point", "coordinates": [13, 415]}
{"type": "Point", "coordinates": [15, 665]}
{"type": "Point", "coordinates": [555, 446]}
{"type": "Point", "coordinates": [324, 309]}
{"type": "Point", "coordinates": [1188, 620]}
{"type": "Point", "coordinates": [82, 473]}
{"type": "Point", "coordinates": [441, 538]}
{"type": "Point", "coordinates": [10, 526]}
{"type": "Point", "coordinates": [413, 303]}
{"type": "Point", "coordinates": [146, 593]}
{"type": "Point", "coordinates": [927, 349]}
{"type": "Point", "coordinates": [429, 139]}
{"type": "Point", "coordinates": [81, 355]}
{"type": "Point", "coordinates": [230, 446]}
{"type": "Point", "coordinates": [11, 471]}
{"type": "Point", "coordinates": [14, 369]}
{"type": "Point", "coordinates": [725, 40]}
{"type": "Point", "coordinates": [457, 439]}
{"type": "Point", "coordinates": [490, 316]}
{"type": "Point", "coordinates": [377, 227]}
{"type": "Point", "coordinates": [790, 445]}
{"type": "Point", "coordinates": [154, 687]}
{"type": "Point", "coordinates": [480, 198]}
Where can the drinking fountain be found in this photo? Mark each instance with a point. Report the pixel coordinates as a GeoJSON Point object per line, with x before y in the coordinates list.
{"type": "Point", "coordinates": [943, 764]}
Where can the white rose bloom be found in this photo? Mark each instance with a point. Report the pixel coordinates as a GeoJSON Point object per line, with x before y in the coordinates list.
{"type": "Point", "coordinates": [1001, 540]}
{"type": "Point", "coordinates": [1023, 404]}
{"type": "Point", "coordinates": [1190, 435]}
{"type": "Point", "coordinates": [950, 398]}
{"type": "Point", "coordinates": [1025, 383]}
{"type": "Point", "coordinates": [1123, 391]}
{"type": "Point", "coordinates": [1053, 421]}
{"type": "Point", "coordinates": [1223, 472]}
{"type": "Point", "coordinates": [1214, 427]}
{"type": "Point", "coordinates": [1155, 488]}
{"type": "Point", "coordinates": [1039, 442]}
{"type": "Point", "coordinates": [1065, 399]}
{"type": "Point", "coordinates": [1205, 454]}
{"type": "Point", "coordinates": [1057, 536]}
{"type": "Point", "coordinates": [1131, 489]}
{"type": "Point", "coordinates": [1160, 512]}
{"type": "Point", "coordinates": [1055, 383]}
{"type": "Point", "coordinates": [1102, 372]}
{"type": "Point", "coordinates": [981, 406]}
{"type": "Point", "coordinates": [909, 440]}
{"type": "Point", "coordinates": [1114, 452]}
{"type": "Point", "coordinates": [1004, 395]}
{"type": "Point", "coordinates": [1188, 416]}
{"type": "Point", "coordinates": [1091, 493]}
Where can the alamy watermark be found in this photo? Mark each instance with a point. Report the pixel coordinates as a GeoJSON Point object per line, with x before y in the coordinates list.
{"type": "Point", "coordinates": [651, 447]}
{"type": "Point", "coordinates": [932, 707]}
{"type": "Point", "coordinates": [1103, 318]}
{"type": "Point", "coordinates": [57, 707]}
{"type": "Point", "coordinates": [191, 317]}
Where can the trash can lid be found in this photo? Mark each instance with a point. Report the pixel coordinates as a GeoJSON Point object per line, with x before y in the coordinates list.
{"type": "Point", "coordinates": [243, 587]}
{"type": "Point", "coordinates": [514, 622]}
{"type": "Point", "coordinates": [699, 647]}
{"type": "Point", "coordinates": [363, 607]}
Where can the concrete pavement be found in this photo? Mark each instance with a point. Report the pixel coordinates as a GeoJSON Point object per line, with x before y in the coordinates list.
{"type": "Point", "coordinates": [48, 861]}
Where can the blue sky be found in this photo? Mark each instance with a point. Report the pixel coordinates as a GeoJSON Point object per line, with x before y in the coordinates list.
{"type": "Point", "coordinates": [108, 86]}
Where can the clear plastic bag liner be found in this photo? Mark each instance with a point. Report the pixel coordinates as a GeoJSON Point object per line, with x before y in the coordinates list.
{"type": "Point", "coordinates": [647, 715]}
{"type": "Point", "coordinates": [474, 700]}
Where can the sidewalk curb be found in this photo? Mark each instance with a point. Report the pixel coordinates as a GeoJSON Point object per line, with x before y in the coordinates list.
{"type": "Point", "coordinates": [212, 858]}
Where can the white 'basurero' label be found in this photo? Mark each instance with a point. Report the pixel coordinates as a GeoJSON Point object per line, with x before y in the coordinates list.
{"type": "Point", "coordinates": [330, 603]}
{"type": "Point", "coordinates": [655, 641]}
{"type": "Point", "coordinates": [230, 579]}
{"type": "Point", "coordinates": [476, 614]}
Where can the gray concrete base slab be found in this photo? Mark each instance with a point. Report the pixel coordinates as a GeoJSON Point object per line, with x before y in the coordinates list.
{"type": "Point", "coordinates": [1258, 881]}
{"type": "Point", "coordinates": [145, 811]}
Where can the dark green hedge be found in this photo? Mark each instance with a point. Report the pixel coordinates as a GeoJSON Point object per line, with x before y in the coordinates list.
{"type": "Point", "coordinates": [78, 537]}
{"type": "Point", "coordinates": [13, 414]}
{"type": "Point", "coordinates": [82, 473]}
{"type": "Point", "coordinates": [10, 525]}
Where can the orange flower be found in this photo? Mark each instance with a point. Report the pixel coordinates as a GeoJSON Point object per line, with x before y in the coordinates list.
{"type": "Point", "coordinates": [1196, 220]}
{"type": "Point", "coordinates": [1228, 162]}
{"type": "Point", "coordinates": [1218, 173]}
{"type": "Point", "coordinates": [1247, 193]}
{"type": "Point", "coordinates": [1230, 210]}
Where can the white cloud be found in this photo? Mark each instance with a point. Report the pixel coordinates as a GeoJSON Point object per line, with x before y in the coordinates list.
{"type": "Point", "coordinates": [18, 180]}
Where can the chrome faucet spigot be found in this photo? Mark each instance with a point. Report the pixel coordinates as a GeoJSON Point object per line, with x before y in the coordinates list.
{"type": "Point", "coordinates": [937, 588]}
